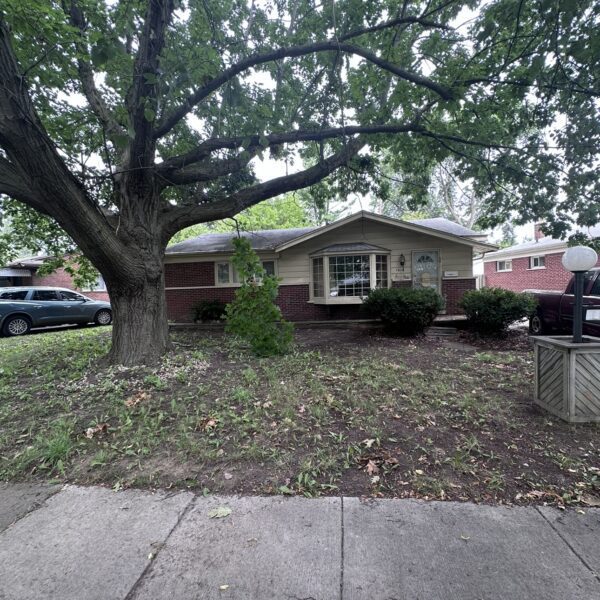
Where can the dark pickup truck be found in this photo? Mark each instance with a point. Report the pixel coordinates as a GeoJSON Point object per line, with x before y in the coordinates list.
{"type": "Point", "coordinates": [555, 309]}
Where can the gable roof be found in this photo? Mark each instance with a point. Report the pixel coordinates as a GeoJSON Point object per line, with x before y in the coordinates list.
{"type": "Point", "coordinates": [277, 240]}
{"type": "Point", "coordinates": [433, 230]}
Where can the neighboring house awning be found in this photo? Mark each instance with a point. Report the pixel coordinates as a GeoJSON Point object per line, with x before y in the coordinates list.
{"type": "Point", "coordinates": [15, 273]}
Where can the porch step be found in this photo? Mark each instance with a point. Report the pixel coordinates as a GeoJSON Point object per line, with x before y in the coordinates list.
{"type": "Point", "coordinates": [441, 332]}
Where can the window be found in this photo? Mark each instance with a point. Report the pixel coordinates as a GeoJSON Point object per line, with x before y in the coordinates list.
{"type": "Point", "coordinates": [381, 271]}
{"type": "Point", "coordinates": [71, 296]}
{"type": "Point", "coordinates": [595, 291]}
{"type": "Point", "coordinates": [45, 295]}
{"type": "Point", "coordinates": [20, 295]}
{"type": "Point", "coordinates": [98, 286]}
{"type": "Point", "coordinates": [349, 275]}
{"type": "Point", "coordinates": [318, 278]}
{"type": "Point", "coordinates": [347, 278]}
{"type": "Point", "coordinates": [227, 274]}
{"type": "Point", "coordinates": [537, 262]}
{"type": "Point", "coordinates": [587, 277]}
{"type": "Point", "coordinates": [504, 265]}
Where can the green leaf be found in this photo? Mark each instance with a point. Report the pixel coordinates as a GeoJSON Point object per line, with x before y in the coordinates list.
{"type": "Point", "coordinates": [149, 114]}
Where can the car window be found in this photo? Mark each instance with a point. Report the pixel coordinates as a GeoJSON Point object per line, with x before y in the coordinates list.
{"type": "Point", "coordinates": [20, 295]}
{"type": "Point", "coordinates": [44, 295]}
{"type": "Point", "coordinates": [588, 276]}
{"type": "Point", "coordinates": [595, 291]}
{"type": "Point", "coordinates": [72, 296]}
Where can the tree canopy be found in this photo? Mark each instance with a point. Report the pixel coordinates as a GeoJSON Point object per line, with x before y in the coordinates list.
{"type": "Point", "coordinates": [126, 121]}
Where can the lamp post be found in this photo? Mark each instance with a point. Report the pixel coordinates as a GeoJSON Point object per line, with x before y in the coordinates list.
{"type": "Point", "coordinates": [578, 260]}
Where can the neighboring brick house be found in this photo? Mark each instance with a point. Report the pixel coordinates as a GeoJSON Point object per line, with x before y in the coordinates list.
{"type": "Point", "coordinates": [534, 265]}
{"type": "Point", "coordinates": [24, 272]}
{"type": "Point", "coordinates": [326, 271]}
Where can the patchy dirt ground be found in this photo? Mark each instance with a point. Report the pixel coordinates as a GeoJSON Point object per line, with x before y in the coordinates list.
{"type": "Point", "coordinates": [349, 411]}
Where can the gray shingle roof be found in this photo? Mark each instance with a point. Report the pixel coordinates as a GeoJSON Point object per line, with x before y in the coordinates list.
{"type": "Point", "coordinates": [272, 238]}
{"type": "Point", "coordinates": [447, 226]}
{"type": "Point", "coordinates": [223, 242]}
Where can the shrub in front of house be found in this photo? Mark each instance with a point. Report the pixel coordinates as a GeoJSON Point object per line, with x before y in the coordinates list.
{"type": "Point", "coordinates": [490, 311]}
{"type": "Point", "coordinates": [253, 314]}
{"type": "Point", "coordinates": [404, 311]}
{"type": "Point", "coordinates": [208, 310]}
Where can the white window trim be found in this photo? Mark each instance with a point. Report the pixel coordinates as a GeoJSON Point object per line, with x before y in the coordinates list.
{"type": "Point", "coordinates": [102, 289]}
{"type": "Point", "coordinates": [498, 270]}
{"type": "Point", "coordinates": [327, 299]}
{"type": "Point", "coordinates": [237, 284]}
{"type": "Point", "coordinates": [538, 268]}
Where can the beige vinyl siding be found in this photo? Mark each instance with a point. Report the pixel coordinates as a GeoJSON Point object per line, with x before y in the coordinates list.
{"type": "Point", "coordinates": [294, 263]}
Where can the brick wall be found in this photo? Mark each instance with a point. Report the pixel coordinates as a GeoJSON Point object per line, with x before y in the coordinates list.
{"type": "Point", "coordinates": [180, 302]}
{"type": "Point", "coordinates": [292, 299]}
{"type": "Point", "coordinates": [189, 274]}
{"type": "Point", "coordinates": [553, 277]}
{"type": "Point", "coordinates": [453, 290]}
{"type": "Point", "coordinates": [60, 278]}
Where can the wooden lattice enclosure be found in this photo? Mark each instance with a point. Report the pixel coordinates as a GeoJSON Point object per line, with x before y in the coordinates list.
{"type": "Point", "coordinates": [567, 377]}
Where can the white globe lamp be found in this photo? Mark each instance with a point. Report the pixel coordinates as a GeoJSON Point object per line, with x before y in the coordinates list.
{"type": "Point", "coordinates": [578, 260]}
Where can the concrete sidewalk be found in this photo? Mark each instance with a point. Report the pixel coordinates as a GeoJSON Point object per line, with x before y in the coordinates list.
{"type": "Point", "coordinates": [94, 544]}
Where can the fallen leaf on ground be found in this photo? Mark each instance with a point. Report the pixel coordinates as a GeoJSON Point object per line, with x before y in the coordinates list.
{"type": "Point", "coordinates": [223, 587]}
{"type": "Point", "coordinates": [135, 399]}
{"type": "Point", "coordinates": [90, 432]}
{"type": "Point", "coordinates": [372, 468]}
{"type": "Point", "coordinates": [228, 476]}
{"type": "Point", "coordinates": [219, 512]}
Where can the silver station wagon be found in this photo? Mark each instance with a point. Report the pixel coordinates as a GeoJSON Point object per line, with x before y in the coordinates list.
{"type": "Point", "coordinates": [22, 308]}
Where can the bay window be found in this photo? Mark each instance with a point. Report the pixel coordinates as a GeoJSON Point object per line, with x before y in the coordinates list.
{"type": "Point", "coordinates": [346, 278]}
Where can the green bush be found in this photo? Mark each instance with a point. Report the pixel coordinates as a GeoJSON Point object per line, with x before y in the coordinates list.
{"type": "Point", "coordinates": [491, 310]}
{"type": "Point", "coordinates": [253, 314]}
{"type": "Point", "coordinates": [208, 310]}
{"type": "Point", "coordinates": [404, 311]}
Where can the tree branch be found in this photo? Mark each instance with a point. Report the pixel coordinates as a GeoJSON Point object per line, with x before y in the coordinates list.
{"type": "Point", "coordinates": [392, 23]}
{"type": "Point", "coordinates": [142, 96]}
{"type": "Point", "coordinates": [13, 184]}
{"type": "Point", "coordinates": [185, 215]}
{"type": "Point", "coordinates": [86, 75]}
{"type": "Point", "coordinates": [294, 51]}
{"type": "Point", "coordinates": [168, 167]}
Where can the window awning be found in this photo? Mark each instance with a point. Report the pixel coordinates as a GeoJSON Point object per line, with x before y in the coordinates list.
{"type": "Point", "coordinates": [8, 272]}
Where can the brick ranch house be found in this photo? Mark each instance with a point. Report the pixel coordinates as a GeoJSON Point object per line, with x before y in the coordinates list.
{"type": "Point", "coordinates": [530, 265]}
{"type": "Point", "coordinates": [326, 271]}
{"type": "Point", "coordinates": [24, 272]}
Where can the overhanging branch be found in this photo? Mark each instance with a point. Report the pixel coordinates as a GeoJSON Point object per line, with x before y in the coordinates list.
{"type": "Point", "coordinates": [183, 216]}
{"type": "Point", "coordinates": [291, 52]}
{"type": "Point", "coordinates": [168, 167]}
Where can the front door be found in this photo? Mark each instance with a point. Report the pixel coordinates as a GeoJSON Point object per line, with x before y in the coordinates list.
{"type": "Point", "coordinates": [426, 269]}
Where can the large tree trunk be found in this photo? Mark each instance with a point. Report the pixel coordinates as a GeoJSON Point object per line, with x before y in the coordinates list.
{"type": "Point", "coordinates": [140, 329]}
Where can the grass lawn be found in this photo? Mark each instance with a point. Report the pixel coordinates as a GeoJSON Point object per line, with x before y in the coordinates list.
{"type": "Point", "coordinates": [349, 411]}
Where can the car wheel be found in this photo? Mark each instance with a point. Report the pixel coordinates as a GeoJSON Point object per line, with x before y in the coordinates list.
{"type": "Point", "coordinates": [537, 326]}
{"type": "Point", "coordinates": [16, 326]}
{"type": "Point", "coordinates": [103, 317]}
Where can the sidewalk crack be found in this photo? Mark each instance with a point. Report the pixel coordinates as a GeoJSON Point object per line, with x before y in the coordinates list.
{"type": "Point", "coordinates": [159, 548]}
{"type": "Point", "coordinates": [569, 545]}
